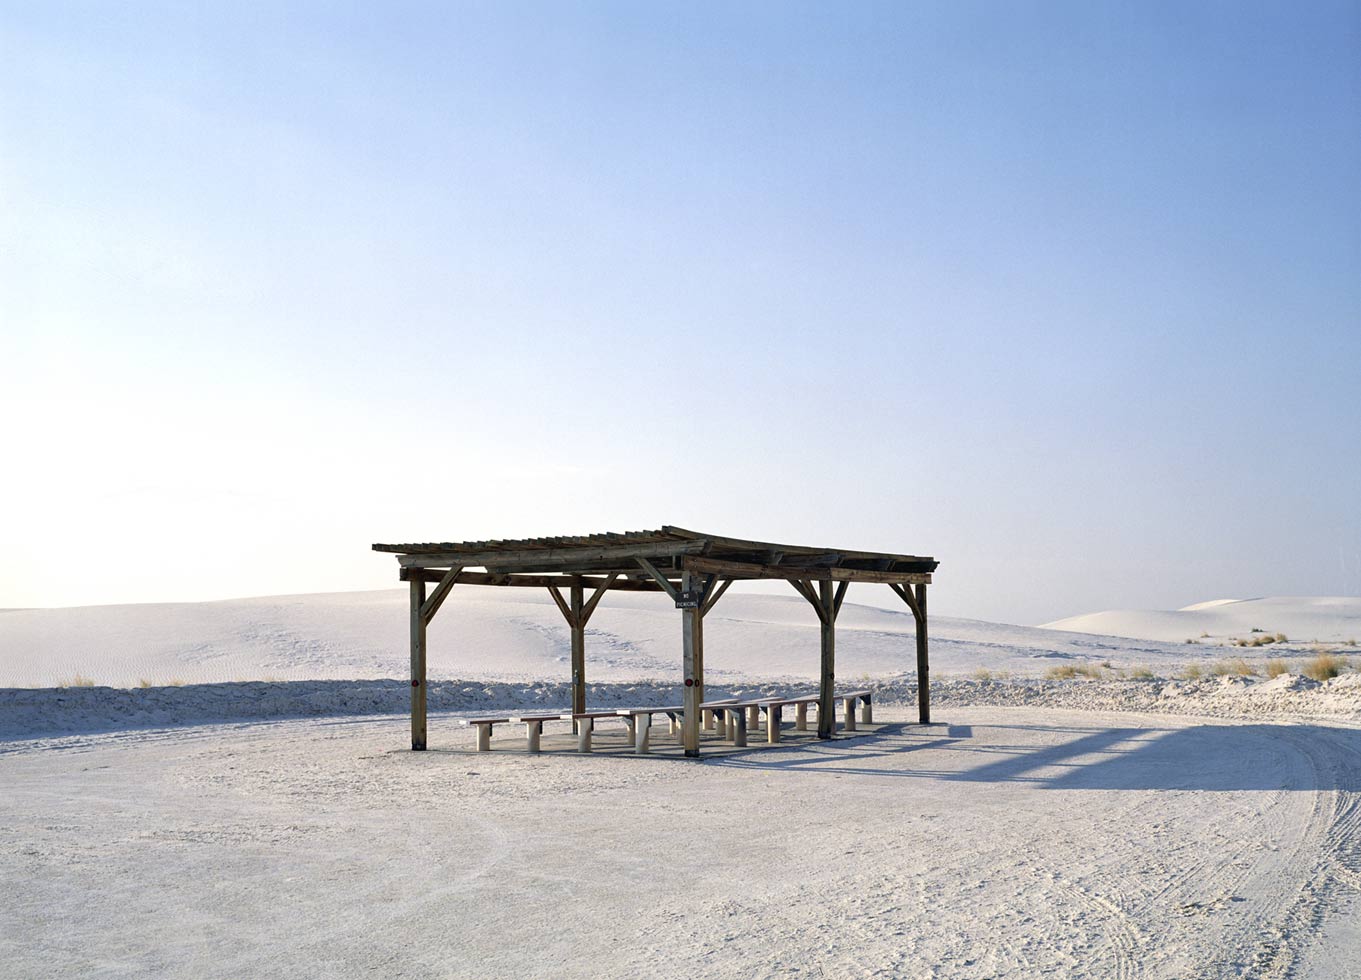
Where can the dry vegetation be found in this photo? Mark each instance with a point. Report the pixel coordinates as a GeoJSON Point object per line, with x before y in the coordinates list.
{"type": "Point", "coordinates": [1260, 640]}
{"type": "Point", "coordinates": [1323, 666]}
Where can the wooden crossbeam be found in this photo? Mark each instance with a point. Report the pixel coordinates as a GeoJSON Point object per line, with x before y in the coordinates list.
{"type": "Point", "coordinates": [905, 593]}
{"type": "Point", "coordinates": [840, 595]}
{"type": "Point", "coordinates": [805, 589]}
{"type": "Point", "coordinates": [747, 570]}
{"type": "Point", "coordinates": [562, 605]}
{"type": "Point", "coordinates": [596, 596]}
{"type": "Point", "coordinates": [715, 595]}
{"type": "Point", "coordinates": [446, 585]}
{"type": "Point", "coordinates": [551, 556]}
{"type": "Point", "coordinates": [660, 579]}
{"type": "Point", "coordinates": [621, 582]}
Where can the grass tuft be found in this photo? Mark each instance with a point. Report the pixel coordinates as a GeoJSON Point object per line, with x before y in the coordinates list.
{"type": "Point", "coordinates": [1141, 674]}
{"type": "Point", "coordinates": [1324, 666]}
{"type": "Point", "coordinates": [1237, 667]}
{"type": "Point", "coordinates": [1277, 667]}
{"type": "Point", "coordinates": [1192, 672]}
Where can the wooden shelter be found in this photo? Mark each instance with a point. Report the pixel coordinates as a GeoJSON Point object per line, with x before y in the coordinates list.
{"type": "Point", "coordinates": [693, 569]}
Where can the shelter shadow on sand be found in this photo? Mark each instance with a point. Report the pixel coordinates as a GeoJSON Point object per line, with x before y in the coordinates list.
{"type": "Point", "coordinates": [1214, 758]}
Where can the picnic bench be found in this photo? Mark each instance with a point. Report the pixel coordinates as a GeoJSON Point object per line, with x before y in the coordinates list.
{"type": "Point", "coordinates": [730, 718]}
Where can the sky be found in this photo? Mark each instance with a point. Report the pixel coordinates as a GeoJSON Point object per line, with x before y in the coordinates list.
{"type": "Point", "coordinates": [1067, 295]}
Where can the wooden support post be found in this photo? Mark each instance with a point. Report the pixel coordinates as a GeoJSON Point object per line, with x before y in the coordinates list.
{"type": "Point", "coordinates": [849, 723]}
{"type": "Point", "coordinates": [923, 661]}
{"type": "Point", "coordinates": [774, 715]}
{"type": "Point", "coordinates": [533, 733]}
{"type": "Point", "coordinates": [417, 666]}
{"type": "Point", "coordinates": [484, 738]}
{"type": "Point", "coordinates": [826, 706]}
{"type": "Point", "coordinates": [692, 647]}
{"type": "Point", "coordinates": [578, 625]}
{"type": "Point", "coordinates": [866, 710]}
{"type": "Point", "coordinates": [801, 717]}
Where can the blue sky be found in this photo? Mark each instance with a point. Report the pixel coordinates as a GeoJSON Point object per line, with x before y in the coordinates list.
{"type": "Point", "coordinates": [1067, 295]}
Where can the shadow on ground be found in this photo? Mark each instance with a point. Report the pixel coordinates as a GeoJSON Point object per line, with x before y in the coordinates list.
{"type": "Point", "coordinates": [1216, 758]}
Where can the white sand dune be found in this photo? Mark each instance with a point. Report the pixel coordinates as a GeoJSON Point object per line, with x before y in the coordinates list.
{"type": "Point", "coordinates": [1326, 619]}
{"type": "Point", "coordinates": [486, 633]}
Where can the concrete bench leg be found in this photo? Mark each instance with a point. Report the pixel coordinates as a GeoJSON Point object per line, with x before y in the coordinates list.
{"type": "Point", "coordinates": [631, 726]}
{"type": "Point", "coordinates": [720, 725]}
{"type": "Point", "coordinates": [866, 712]}
{"type": "Point", "coordinates": [754, 719]}
{"type": "Point", "coordinates": [484, 738]}
{"type": "Point", "coordinates": [801, 717]}
{"type": "Point", "coordinates": [774, 717]}
{"type": "Point", "coordinates": [850, 714]}
{"type": "Point", "coordinates": [584, 729]}
{"type": "Point", "coordinates": [675, 725]}
{"type": "Point", "coordinates": [644, 726]}
{"type": "Point", "coordinates": [739, 726]}
{"type": "Point", "coordinates": [533, 729]}
{"type": "Point", "coordinates": [708, 719]}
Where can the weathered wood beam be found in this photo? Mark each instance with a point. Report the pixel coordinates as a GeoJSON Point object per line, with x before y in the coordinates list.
{"type": "Point", "coordinates": [714, 596]}
{"type": "Point", "coordinates": [746, 570]}
{"type": "Point", "coordinates": [840, 595]}
{"type": "Point", "coordinates": [905, 593]}
{"type": "Point", "coordinates": [550, 556]}
{"type": "Point", "coordinates": [578, 620]}
{"type": "Point", "coordinates": [417, 667]}
{"type": "Point", "coordinates": [562, 605]}
{"type": "Point", "coordinates": [621, 584]}
{"type": "Point", "coordinates": [805, 589]}
{"type": "Point", "coordinates": [594, 601]}
{"type": "Point", "coordinates": [442, 590]}
{"type": "Point", "coordinates": [692, 671]}
{"type": "Point", "coordinates": [826, 705]}
{"type": "Point", "coordinates": [923, 662]}
{"type": "Point", "coordinates": [661, 579]}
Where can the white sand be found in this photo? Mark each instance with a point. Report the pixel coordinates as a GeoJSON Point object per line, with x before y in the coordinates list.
{"type": "Point", "coordinates": [1004, 843]}
{"type": "Point", "coordinates": [507, 634]}
{"type": "Point", "coordinates": [1327, 619]}
{"type": "Point", "coordinates": [1017, 838]}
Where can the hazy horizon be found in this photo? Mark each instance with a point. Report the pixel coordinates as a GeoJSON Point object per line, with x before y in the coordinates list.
{"type": "Point", "coordinates": [1067, 296]}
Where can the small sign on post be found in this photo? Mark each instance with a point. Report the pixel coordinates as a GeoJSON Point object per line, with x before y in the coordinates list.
{"type": "Point", "coordinates": [687, 599]}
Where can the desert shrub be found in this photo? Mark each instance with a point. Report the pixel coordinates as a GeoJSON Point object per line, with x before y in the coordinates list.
{"type": "Point", "coordinates": [1096, 671]}
{"type": "Point", "coordinates": [1323, 665]}
{"type": "Point", "coordinates": [1280, 638]}
{"type": "Point", "coordinates": [1204, 636]}
{"type": "Point", "coordinates": [1275, 668]}
{"type": "Point", "coordinates": [1192, 672]}
{"type": "Point", "coordinates": [143, 682]}
{"type": "Point", "coordinates": [1191, 641]}
{"type": "Point", "coordinates": [1256, 630]}
{"type": "Point", "coordinates": [77, 680]}
{"type": "Point", "coordinates": [982, 674]}
{"type": "Point", "coordinates": [1351, 641]}
{"type": "Point", "coordinates": [1062, 672]}
{"type": "Point", "coordinates": [1140, 674]}
{"type": "Point", "coordinates": [1237, 667]}
{"type": "Point", "coordinates": [175, 682]}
